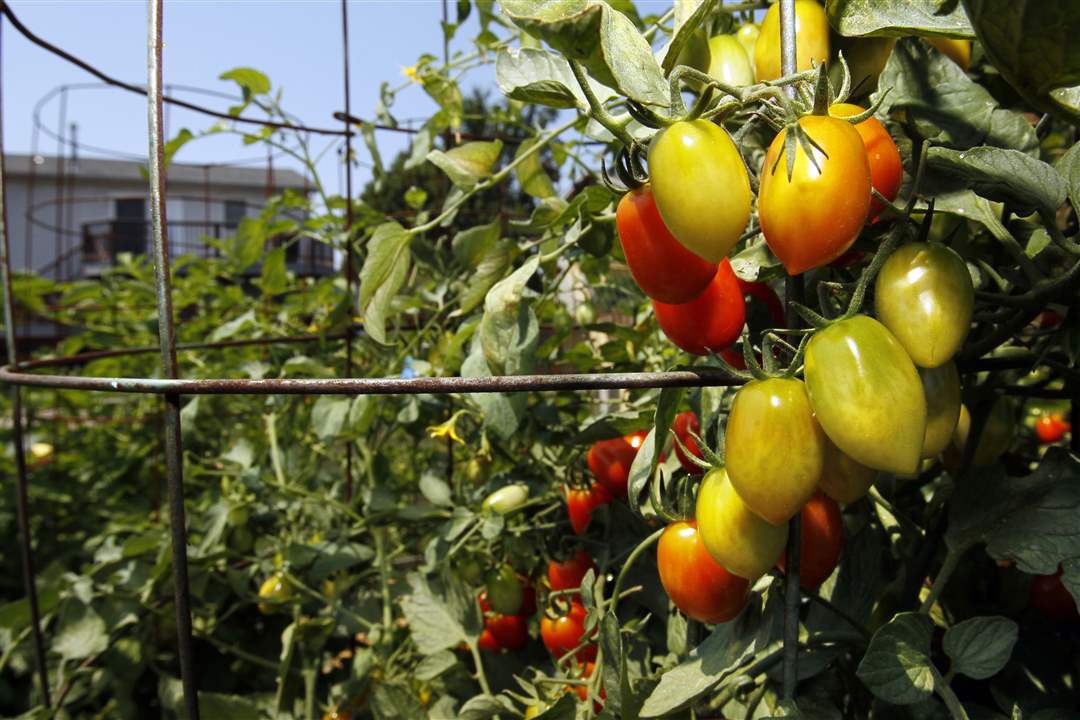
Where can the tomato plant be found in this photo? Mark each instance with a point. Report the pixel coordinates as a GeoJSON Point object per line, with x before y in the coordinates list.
{"type": "Point", "coordinates": [1051, 428]}
{"type": "Point", "coordinates": [811, 39]}
{"type": "Point", "coordinates": [565, 631]}
{"type": "Point", "coordinates": [736, 538]}
{"type": "Point", "coordinates": [610, 460]}
{"type": "Point", "coordinates": [1050, 597]}
{"type": "Point", "coordinates": [685, 426]}
{"type": "Point", "coordinates": [568, 573]}
{"type": "Point", "coordinates": [808, 235]}
{"type": "Point", "coordinates": [821, 539]}
{"type": "Point", "coordinates": [581, 502]}
{"type": "Point", "coordinates": [729, 62]}
{"type": "Point", "coordinates": [710, 322]}
{"type": "Point", "coordinates": [886, 167]}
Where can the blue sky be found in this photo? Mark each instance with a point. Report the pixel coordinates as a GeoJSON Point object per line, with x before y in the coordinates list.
{"type": "Point", "coordinates": [296, 43]}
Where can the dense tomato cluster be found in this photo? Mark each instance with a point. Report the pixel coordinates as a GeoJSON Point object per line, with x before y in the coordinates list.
{"type": "Point", "coordinates": [506, 631]}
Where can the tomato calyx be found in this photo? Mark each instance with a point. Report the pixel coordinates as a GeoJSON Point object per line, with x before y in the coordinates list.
{"type": "Point", "coordinates": [630, 173]}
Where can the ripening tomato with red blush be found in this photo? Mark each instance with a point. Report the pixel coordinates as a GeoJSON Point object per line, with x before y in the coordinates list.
{"type": "Point", "coordinates": [710, 322]}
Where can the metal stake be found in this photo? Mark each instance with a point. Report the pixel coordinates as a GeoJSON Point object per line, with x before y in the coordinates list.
{"type": "Point", "coordinates": [793, 291]}
{"type": "Point", "coordinates": [348, 235]}
{"type": "Point", "coordinates": [26, 549]}
{"type": "Point", "coordinates": [174, 468]}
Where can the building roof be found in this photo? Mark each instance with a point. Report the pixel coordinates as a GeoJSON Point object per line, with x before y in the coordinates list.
{"type": "Point", "coordinates": [130, 171]}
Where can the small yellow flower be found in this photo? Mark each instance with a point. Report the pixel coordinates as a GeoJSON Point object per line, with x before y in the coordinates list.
{"type": "Point", "coordinates": [410, 72]}
{"type": "Point", "coordinates": [447, 429]}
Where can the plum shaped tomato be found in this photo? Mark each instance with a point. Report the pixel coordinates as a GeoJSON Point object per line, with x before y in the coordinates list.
{"type": "Point", "coordinates": [996, 436]}
{"type": "Point", "coordinates": [729, 62]}
{"type": "Point", "coordinates": [811, 39]}
{"type": "Point", "coordinates": [812, 218]}
{"type": "Point", "coordinates": [843, 479]}
{"type": "Point", "coordinates": [661, 266]}
{"type": "Point", "coordinates": [580, 503]}
{"type": "Point", "coordinates": [684, 424]}
{"type": "Point", "coordinates": [886, 167]}
{"type": "Point", "coordinates": [956, 49]}
{"type": "Point", "coordinates": [748, 35]}
{"type": "Point", "coordinates": [505, 593]}
{"type": "Point", "coordinates": [867, 394]}
{"type": "Point", "coordinates": [925, 296]}
{"type": "Point", "coordinates": [568, 573]}
{"type": "Point", "coordinates": [1050, 597]}
{"type": "Point", "coordinates": [821, 538]}
{"type": "Point", "coordinates": [697, 584]}
{"type": "Point", "coordinates": [735, 537]}
{"type": "Point", "coordinates": [774, 447]}
{"type": "Point", "coordinates": [712, 321]}
{"type": "Point", "coordinates": [563, 633]}
{"type": "Point", "coordinates": [941, 386]}
{"type": "Point", "coordinates": [701, 186]}
{"type": "Point", "coordinates": [610, 461]}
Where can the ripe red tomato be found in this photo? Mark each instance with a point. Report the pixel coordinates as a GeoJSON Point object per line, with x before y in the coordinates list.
{"type": "Point", "coordinates": [568, 573]}
{"type": "Point", "coordinates": [528, 599]}
{"type": "Point", "coordinates": [583, 691]}
{"type": "Point", "coordinates": [610, 461]}
{"type": "Point", "coordinates": [766, 296]}
{"type": "Point", "coordinates": [1051, 598]}
{"type": "Point", "coordinates": [563, 634]}
{"type": "Point", "coordinates": [697, 584]}
{"type": "Point", "coordinates": [580, 503]}
{"type": "Point", "coordinates": [886, 167]}
{"type": "Point", "coordinates": [487, 640]}
{"type": "Point", "coordinates": [820, 541]}
{"type": "Point", "coordinates": [510, 632]}
{"type": "Point", "coordinates": [712, 321]}
{"type": "Point", "coordinates": [1051, 428]}
{"type": "Point", "coordinates": [813, 218]}
{"type": "Point", "coordinates": [662, 267]}
{"type": "Point", "coordinates": [684, 424]}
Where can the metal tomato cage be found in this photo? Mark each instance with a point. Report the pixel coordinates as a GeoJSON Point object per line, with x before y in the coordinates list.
{"type": "Point", "coordinates": [171, 387]}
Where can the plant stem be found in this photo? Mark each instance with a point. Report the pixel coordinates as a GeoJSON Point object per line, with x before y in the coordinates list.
{"type": "Point", "coordinates": [956, 710]}
{"type": "Point", "coordinates": [602, 116]}
{"type": "Point", "coordinates": [481, 677]}
{"type": "Point", "coordinates": [952, 560]}
{"type": "Point", "coordinates": [842, 614]}
{"type": "Point", "coordinates": [634, 555]}
{"type": "Point", "coordinates": [275, 454]}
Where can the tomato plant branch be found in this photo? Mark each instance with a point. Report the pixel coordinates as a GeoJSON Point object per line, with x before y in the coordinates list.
{"type": "Point", "coordinates": [842, 614]}
{"type": "Point", "coordinates": [481, 676]}
{"type": "Point", "coordinates": [596, 108]}
{"type": "Point", "coordinates": [630, 560]}
{"type": "Point", "coordinates": [952, 703]}
{"type": "Point", "coordinates": [275, 455]}
{"type": "Point", "coordinates": [952, 561]}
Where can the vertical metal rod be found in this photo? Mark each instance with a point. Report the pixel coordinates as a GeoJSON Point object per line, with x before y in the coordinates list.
{"type": "Point", "coordinates": [793, 291]}
{"type": "Point", "coordinates": [348, 234]}
{"type": "Point", "coordinates": [22, 504]}
{"type": "Point", "coordinates": [174, 468]}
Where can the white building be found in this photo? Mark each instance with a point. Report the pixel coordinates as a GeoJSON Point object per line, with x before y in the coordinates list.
{"type": "Point", "coordinates": [68, 219]}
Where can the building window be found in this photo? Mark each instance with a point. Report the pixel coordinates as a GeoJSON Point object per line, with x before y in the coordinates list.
{"type": "Point", "coordinates": [128, 226]}
{"type": "Point", "coordinates": [235, 211]}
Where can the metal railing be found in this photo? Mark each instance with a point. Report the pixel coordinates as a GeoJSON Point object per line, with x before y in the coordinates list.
{"type": "Point", "coordinates": [171, 386]}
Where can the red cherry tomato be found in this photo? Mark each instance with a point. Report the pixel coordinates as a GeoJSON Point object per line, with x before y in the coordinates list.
{"type": "Point", "coordinates": [510, 632]}
{"type": "Point", "coordinates": [712, 321]}
{"type": "Point", "coordinates": [820, 541]}
{"type": "Point", "coordinates": [583, 691]}
{"type": "Point", "coordinates": [528, 599]}
{"type": "Point", "coordinates": [568, 573]}
{"type": "Point", "coordinates": [886, 167]}
{"type": "Point", "coordinates": [1051, 428]}
{"type": "Point", "coordinates": [1051, 598]}
{"type": "Point", "coordinates": [564, 633]}
{"type": "Point", "coordinates": [697, 584]}
{"type": "Point", "coordinates": [684, 424]}
{"type": "Point", "coordinates": [662, 267]}
{"type": "Point", "coordinates": [610, 461]}
{"type": "Point", "coordinates": [581, 502]}
{"type": "Point", "coordinates": [487, 641]}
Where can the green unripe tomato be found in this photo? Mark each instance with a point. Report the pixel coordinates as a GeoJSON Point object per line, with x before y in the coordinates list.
{"type": "Point", "coordinates": [941, 386]}
{"type": "Point", "coordinates": [867, 394]}
{"type": "Point", "coordinates": [695, 53]}
{"type": "Point", "coordinates": [774, 447]}
{"type": "Point", "coordinates": [996, 435]}
{"type": "Point", "coordinates": [506, 499]}
{"type": "Point", "coordinates": [729, 62]}
{"type": "Point", "coordinates": [843, 479]}
{"type": "Point", "coordinates": [700, 186]}
{"type": "Point", "coordinates": [743, 543]}
{"type": "Point", "coordinates": [925, 297]}
{"type": "Point", "coordinates": [747, 35]}
{"type": "Point", "coordinates": [811, 39]}
{"type": "Point", "coordinates": [504, 591]}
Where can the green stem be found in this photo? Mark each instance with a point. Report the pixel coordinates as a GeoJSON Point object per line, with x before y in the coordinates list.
{"type": "Point", "coordinates": [275, 454]}
{"type": "Point", "coordinates": [596, 108]}
{"type": "Point", "coordinates": [310, 678]}
{"type": "Point", "coordinates": [843, 615]}
{"type": "Point", "coordinates": [952, 561]}
{"type": "Point", "coordinates": [956, 710]}
{"type": "Point", "coordinates": [481, 677]}
{"type": "Point", "coordinates": [637, 552]}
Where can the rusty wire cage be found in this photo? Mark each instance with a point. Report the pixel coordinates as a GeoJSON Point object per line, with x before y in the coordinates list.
{"type": "Point", "coordinates": [171, 387]}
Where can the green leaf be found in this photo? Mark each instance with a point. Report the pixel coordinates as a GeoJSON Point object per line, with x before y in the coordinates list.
{"type": "Point", "coordinates": [896, 666]}
{"type": "Point", "coordinates": [82, 633]}
{"type": "Point", "coordinates": [483, 707]}
{"type": "Point", "coordinates": [251, 81]}
{"type": "Point", "coordinates": [433, 627]}
{"type": "Point", "coordinates": [1012, 515]}
{"type": "Point", "coordinates": [435, 490]}
{"type": "Point", "coordinates": [415, 197]}
{"type": "Point", "coordinates": [274, 278]}
{"type": "Point", "coordinates": [1031, 43]}
{"type": "Point", "coordinates": [178, 141]}
{"type": "Point", "coordinates": [502, 413]}
{"type": "Point", "coordinates": [945, 104]}
{"type": "Point", "coordinates": [472, 245]}
{"type": "Point", "coordinates": [231, 328]}
{"type": "Point", "coordinates": [911, 17]}
{"type": "Point", "coordinates": [328, 416]}
{"type": "Point", "coordinates": [530, 173]}
{"type": "Point", "coordinates": [509, 330]}
{"type": "Point", "coordinates": [980, 647]}
{"type": "Point", "coordinates": [603, 39]}
{"type": "Point", "coordinates": [249, 243]}
{"type": "Point", "coordinates": [469, 163]}
{"type": "Point", "coordinates": [1000, 175]}
{"type": "Point", "coordinates": [730, 646]}
{"type": "Point", "coordinates": [684, 31]}
{"type": "Point", "coordinates": [385, 269]}
{"type": "Point", "coordinates": [435, 665]}
{"type": "Point", "coordinates": [544, 78]}
{"type": "Point", "coordinates": [648, 457]}
{"type": "Point", "coordinates": [1068, 166]}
